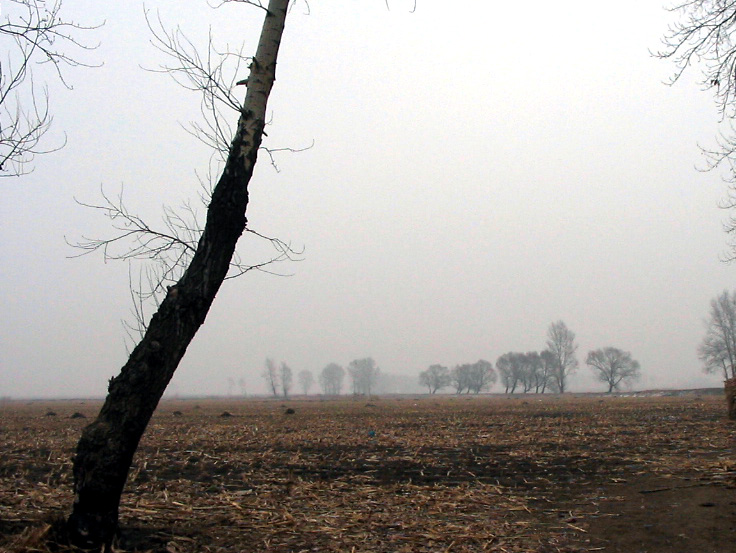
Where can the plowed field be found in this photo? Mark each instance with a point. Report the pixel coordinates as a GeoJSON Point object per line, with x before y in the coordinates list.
{"type": "Point", "coordinates": [394, 474]}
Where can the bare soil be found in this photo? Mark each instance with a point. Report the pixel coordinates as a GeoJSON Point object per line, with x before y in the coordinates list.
{"type": "Point", "coordinates": [658, 514]}
{"type": "Point", "coordinates": [543, 474]}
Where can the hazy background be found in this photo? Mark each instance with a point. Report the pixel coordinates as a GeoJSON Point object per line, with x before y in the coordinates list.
{"type": "Point", "coordinates": [476, 175]}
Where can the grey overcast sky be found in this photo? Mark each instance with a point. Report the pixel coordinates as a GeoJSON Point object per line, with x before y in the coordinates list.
{"type": "Point", "coordinates": [476, 175]}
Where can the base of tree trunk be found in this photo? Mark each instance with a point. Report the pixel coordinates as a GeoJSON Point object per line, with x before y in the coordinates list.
{"type": "Point", "coordinates": [91, 533]}
{"type": "Point", "coordinates": [731, 397]}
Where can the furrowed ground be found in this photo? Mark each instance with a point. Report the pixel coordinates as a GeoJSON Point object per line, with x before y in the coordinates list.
{"type": "Point", "coordinates": [423, 474]}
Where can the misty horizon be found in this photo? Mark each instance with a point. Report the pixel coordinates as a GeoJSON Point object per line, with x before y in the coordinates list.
{"type": "Point", "coordinates": [467, 184]}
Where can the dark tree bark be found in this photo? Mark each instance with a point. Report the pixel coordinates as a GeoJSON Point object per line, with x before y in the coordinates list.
{"type": "Point", "coordinates": [105, 451]}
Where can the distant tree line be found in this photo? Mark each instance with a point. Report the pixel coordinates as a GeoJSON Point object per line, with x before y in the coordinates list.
{"type": "Point", "coordinates": [548, 371]}
{"type": "Point", "coordinates": [469, 377]}
{"type": "Point", "coordinates": [363, 375]}
{"type": "Point", "coordinates": [536, 372]}
{"type": "Point", "coordinates": [531, 371]}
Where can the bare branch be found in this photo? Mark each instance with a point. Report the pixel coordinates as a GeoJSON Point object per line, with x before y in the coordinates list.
{"type": "Point", "coordinates": [165, 252]}
{"type": "Point", "coordinates": [32, 33]}
{"type": "Point", "coordinates": [271, 151]}
{"type": "Point", "coordinates": [167, 249]}
{"type": "Point", "coordinates": [414, 8]}
{"type": "Point", "coordinates": [254, 3]}
{"type": "Point", "coordinates": [704, 36]}
{"type": "Point", "coordinates": [135, 329]}
{"type": "Point", "coordinates": [284, 250]}
{"type": "Point", "coordinates": [216, 76]}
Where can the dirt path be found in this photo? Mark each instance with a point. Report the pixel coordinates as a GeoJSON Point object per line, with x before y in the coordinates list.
{"type": "Point", "coordinates": [663, 515]}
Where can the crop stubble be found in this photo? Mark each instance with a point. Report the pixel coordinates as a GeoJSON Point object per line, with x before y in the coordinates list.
{"type": "Point", "coordinates": [391, 474]}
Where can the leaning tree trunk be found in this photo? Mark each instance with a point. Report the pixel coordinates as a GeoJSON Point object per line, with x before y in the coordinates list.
{"type": "Point", "coordinates": [105, 450]}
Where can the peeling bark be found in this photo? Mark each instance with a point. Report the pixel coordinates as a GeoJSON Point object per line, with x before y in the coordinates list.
{"type": "Point", "coordinates": [106, 448]}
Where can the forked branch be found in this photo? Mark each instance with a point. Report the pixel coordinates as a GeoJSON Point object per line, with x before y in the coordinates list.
{"type": "Point", "coordinates": [704, 35]}
{"type": "Point", "coordinates": [165, 252]}
{"type": "Point", "coordinates": [32, 32]}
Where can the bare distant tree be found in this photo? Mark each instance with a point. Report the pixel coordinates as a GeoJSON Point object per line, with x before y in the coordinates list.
{"type": "Point", "coordinates": [331, 379]}
{"type": "Point", "coordinates": [562, 347]}
{"type": "Point", "coordinates": [510, 367]}
{"type": "Point", "coordinates": [713, 352]}
{"type": "Point", "coordinates": [613, 366]}
{"type": "Point", "coordinates": [534, 375]}
{"type": "Point", "coordinates": [286, 376]}
{"type": "Point", "coordinates": [271, 375]}
{"type": "Point", "coordinates": [460, 378]}
{"type": "Point", "coordinates": [306, 380]}
{"type": "Point", "coordinates": [481, 376]}
{"type": "Point", "coordinates": [435, 378]}
{"type": "Point", "coordinates": [547, 359]}
{"type": "Point", "coordinates": [527, 376]}
{"type": "Point", "coordinates": [718, 348]}
{"type": "Point", "coordinates": [32, 33]}
{"type": "Point", "coordinates": [364, 374]}
{"type": "Point", "coordinates": [527, 367]}
{"type": "Point", "coordinates": [529, 370]}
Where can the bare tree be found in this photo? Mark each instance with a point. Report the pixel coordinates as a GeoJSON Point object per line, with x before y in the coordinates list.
{"type": "Point", "coordinates": [534, 375]}
{"type": "Point", "coordinates": [286, 378]}
{"type": "Point", "coordinates": [163, 251]}
{"type": "Point", "coordinates": [306, 380]}
{"type": "Point", "coordinates": [364, 374]}
{"type": "Point", "coordinates": [703, 36]}
{"type": "Point", "coordinates": [713, 352]}
{"type": "Point", "coordinates": [529, 370]}
{"type": "Point", "coordinates": [526, 373]}
{"type": "Point", "coordinates": [435, 378]}
{"type": "Point", "coordinates": [718, 348]}
{"type": "Point", "coordinates": [460, 378]}
{"type": "Point", "coordinates": [105, 450]}
{"type": "Point", "coordinates": [547, 359]}
{"type": "Point", "coordinates": [510, 367]}
{"type": "Point", "coordinates": [331, 379]}
{"type": "Point", "coordinates": [481, 376]}
{"type": "Point", "coordinates": [271, 375]}
{"type": "Point", "coordinates": [562, 347]}
{"type": "Point", "coordinates": [613, 366]}
{"type": "Point", "coordinates": [32, 33]}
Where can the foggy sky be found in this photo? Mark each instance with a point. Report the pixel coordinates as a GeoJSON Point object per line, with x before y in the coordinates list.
{"type": "Point", "coordinates": [475, 176]}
